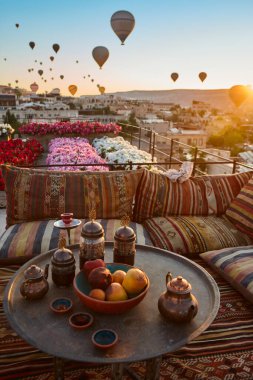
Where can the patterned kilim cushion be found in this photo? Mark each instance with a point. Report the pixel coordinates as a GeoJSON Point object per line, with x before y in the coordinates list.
{"type": "Point", "coordinates": [22, 241]}
{"type": "Point", "coordinates": [189, 235]}
{"type": "Point", "coordinates": [240, 211]}
{"type": "Point", "coordinates": [156, 195]}
{"type": "Point", "coordinates": [235, 265]}
{"type": "Point", "coordinates": [223, 352]}
{"type": "Point", "coordinates": [40, 194]}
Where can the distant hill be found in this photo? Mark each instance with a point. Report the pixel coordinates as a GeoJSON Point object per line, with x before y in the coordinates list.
{"type": "Point", "coordinates": [216, 98]}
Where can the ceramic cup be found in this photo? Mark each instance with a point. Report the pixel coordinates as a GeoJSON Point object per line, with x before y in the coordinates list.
{"type": "Point", "coordinates": [67, 217]}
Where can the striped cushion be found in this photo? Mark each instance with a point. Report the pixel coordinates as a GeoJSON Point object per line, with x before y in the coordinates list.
{"type": "Point", "coordinates": [240, 211]}
{"type": "Point", "coordinates": [156, 195]}
{"type": "Point", "coordinates": [40, 194]}
{"type": "Point", "coordinates": [190, 235]}
{"type": "Point", "coordinates": [236, 266]}
{"type": "Point", "coordinates": [20, 242]}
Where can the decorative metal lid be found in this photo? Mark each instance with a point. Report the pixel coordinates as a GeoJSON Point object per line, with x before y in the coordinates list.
{"type": "Point", "coordinates": [179, 285]}
{"type": "Point", "coordinates": [125, 233]}
{"type": "Point", "coordinates": [33, 273]}
{"type": "Point", "coordinates": [62, 255]}
{"type": "Point", "coordinates": [92, 229]}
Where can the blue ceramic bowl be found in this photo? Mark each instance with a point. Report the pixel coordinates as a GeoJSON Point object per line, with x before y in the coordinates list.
{"type": "Point", "coordinates": [104, 338]}
{"type": "Point", "coordinates": [61, 305]}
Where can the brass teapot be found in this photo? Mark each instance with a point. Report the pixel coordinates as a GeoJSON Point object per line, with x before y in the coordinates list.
{"type": "Point", "coordinates": [178, 304]}
{"type": "Point", "coordinates": [35, 285]}
{"type": "Point", "coordinates": [63, 265]}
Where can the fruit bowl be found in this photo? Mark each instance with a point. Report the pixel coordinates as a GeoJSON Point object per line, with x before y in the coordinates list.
{"type": "Point", "coordinates": [83, 288]}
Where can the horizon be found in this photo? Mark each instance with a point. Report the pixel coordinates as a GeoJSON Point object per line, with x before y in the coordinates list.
{"type": "Point", "coordinates": [175, 36]}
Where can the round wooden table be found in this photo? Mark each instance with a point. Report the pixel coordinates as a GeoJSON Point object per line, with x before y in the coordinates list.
{"type": "Point", "coordinates": [143, 333]}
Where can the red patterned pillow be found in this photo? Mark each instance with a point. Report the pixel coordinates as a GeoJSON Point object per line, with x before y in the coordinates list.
{"type": "Point", "coordinates": [240, 211]}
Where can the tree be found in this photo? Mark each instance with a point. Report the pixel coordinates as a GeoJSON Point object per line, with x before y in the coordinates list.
{"type": "Point", "coordinates": [12, 120]}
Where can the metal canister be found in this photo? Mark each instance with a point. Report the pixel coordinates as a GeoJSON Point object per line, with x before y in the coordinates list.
{"type": "Point", "coordinates": [124, 245]}
{"type": "Point", "coordinates": [92, 243]}
{"type": "Point", "coordinates": [63, 265]}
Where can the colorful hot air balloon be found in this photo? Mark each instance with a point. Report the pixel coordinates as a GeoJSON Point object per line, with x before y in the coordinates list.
{"type": "Point", "coordinates": [56, 47]}
{"type": "Point", "coordinates": [16, 81]}
{"type": "Point", "coordinates": [17, 25]}
{"type": "Point", "coordinates": [61, 76]}
{"type": "Point", "coordinates": [72, 89]}
{"type": "Point", "coordinates": [40, 72]}
{"type": "Point", "coordinates": [202, 76]}
{"type": "Point", "coordinates": [32, 44]}
{"type": "Point", "coordinates": [51, 58]}
{"type": "Point", "coordinates": [101, 90]}
{"type": "Point", "coordinates": [238, 94]}
{"type": "Point", "coordinates": [174, 76]}
{"type": "Point", "coordinates": [34, 87]}
{"type": "Point", "coordinates": [122, 23]}
{"type": "Point", "coordinates": [100, 55]}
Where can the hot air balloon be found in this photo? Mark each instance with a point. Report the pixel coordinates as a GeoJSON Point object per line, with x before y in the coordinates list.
{"type": "Point", "coordinates": [56, 47]}
{"type": "Point", "coordinates": [100, 55]}
{"type": "Point", "coordinates": [238, 94]}
{"type": "Point", "coordinates": [35, 61]}
{"type": "Point", "coordinates": [122, 23]}
{"type": "Point", "coordinates": [61, 76]}
{"type": "Point", "coordinates": [51, 58]}
{"type": "Point", "coordinates": [101, 90]}
{"type": "Point", "coordinates": [88, 75]}
{"type": "Point", "coordinates": [98, 85]}
{"type": "Point", "coordinates": [29, 70]}
{"type": "Point", "coordinates": [34, 87]}
{"type": "Point", "coordinates": [92, 80]}
{"type": "Point", "coordinates": [77, 61]}
{"type": "Point", "coordinates": [17, 25]}
{"type": "Point", "coordinates": [41, 63]}
{"type": "Point", "coordinates": [16, 81]}
{"type": "Point", "coordinates": [202, 76]}
{"type": "Point", "coordinates": [174, 76]}
{"type": "Point", "coordinates": [9, 84]}
{"type": "Point", "coordinates": [5, 59]}
{"type": "Point", "coordinates": [52, 78]}
{"type": "Point", "coordinates": [50, 69]}
{"type": "Point", "coordinates": [72, 89]}
{"type": "Point", "coordinates": [84, 77]}
{"type": "Point", "coordinates": [45, 80]}
{"type": "Point", "coordinates": [31, 44]}
{"type": "Point", "coordinates": [40, 72]}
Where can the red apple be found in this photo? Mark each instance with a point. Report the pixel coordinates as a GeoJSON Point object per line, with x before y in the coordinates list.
{"type": "Point", "coordinates": [88, 266]}
{"type": "Point", "coordinates": [100, 278]}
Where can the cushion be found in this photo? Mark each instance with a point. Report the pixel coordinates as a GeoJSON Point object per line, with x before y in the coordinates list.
{"type": "Point", "coordinates": [41, 194]}
{"type": "Point", "coordinates": [21, 242]}
{"type": "Point", "coordinates": [240, 211]}
{"type": "Point", "coordinates": [236, 266]}
{"type": "Point", "coordinates": [191, 235]}
{"type": "Point", "coordinates": [156, 195]}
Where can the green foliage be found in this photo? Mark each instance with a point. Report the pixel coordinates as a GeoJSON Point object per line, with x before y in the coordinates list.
{"type": "Point", "coordinates": [12, 120]}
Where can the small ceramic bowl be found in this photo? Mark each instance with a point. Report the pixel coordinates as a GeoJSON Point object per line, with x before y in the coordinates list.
{"type": "Point", "coordinates": [81, 320]}
{"type": "Point", "coordinates": [104, 338]}
{"type": "Point", "coordinates": [67, 217]}
{"type": "Point", "coordinates": [61, 305]}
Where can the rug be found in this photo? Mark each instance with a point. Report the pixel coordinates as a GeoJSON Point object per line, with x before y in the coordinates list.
{"type": "Point", "coordinates": [223, 352]}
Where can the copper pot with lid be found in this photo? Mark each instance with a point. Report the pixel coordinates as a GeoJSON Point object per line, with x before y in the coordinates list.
{"type": "Point", "coordinates": [92, 242]}
{"type": "Point", "coordinates": [178, 303]}
{"type": "Point", "coordinates": [35, 285]}
{"type": "Point", "coordinates": [63, 265]}
{"type": "Point", "coordinates": [124, 243]}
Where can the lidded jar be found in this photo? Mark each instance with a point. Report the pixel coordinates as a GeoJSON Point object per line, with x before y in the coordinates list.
{"type": "Point", "coordinates": [92, 242]}
{"type": "Point", "coordinates": [63, 265]}
{"type": "Point", "coordinates": [124, 243]}
{"type": "Point", "coordinates": [35, 285]}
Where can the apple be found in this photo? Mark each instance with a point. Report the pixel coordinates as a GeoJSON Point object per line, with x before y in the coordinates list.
{"type": "Point", "coordinates": [100, 278]}
{"type": "Point", "coordinates": [88, 266]}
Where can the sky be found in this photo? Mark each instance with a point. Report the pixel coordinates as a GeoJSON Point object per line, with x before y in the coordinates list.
{"type": "Point", "coordinates": [183, 36]}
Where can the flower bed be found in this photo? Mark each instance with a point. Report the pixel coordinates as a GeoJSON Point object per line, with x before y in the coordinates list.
{"type": "Point", "coordinates": [80, 128]}
{"type": "Point", "coordinates": [18, 152]}
{"type": "Point", "coordinates": [76, 150]}
{"type": "Point", "coordinates": [119, 151]}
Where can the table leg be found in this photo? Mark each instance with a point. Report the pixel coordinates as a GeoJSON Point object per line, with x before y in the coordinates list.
{"type": "Point", "coordinates": [117, 371]}
{"type": "Point", "coordinates": [153, 369]}
{"type": "Point", "coordinates": [58, 368]}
